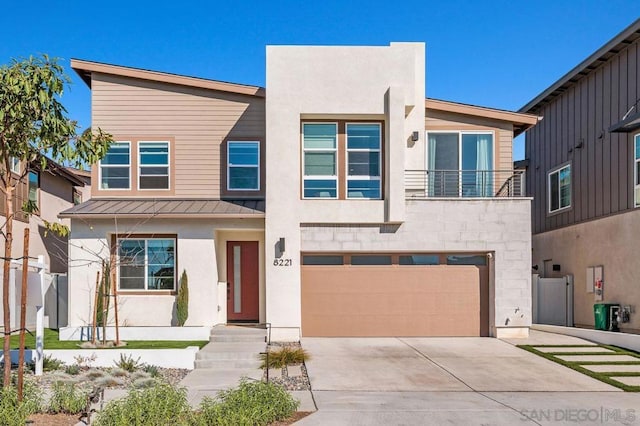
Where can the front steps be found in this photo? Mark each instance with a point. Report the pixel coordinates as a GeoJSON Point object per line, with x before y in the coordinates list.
{"type": "Point", "coordinates": [232, 353]}
{"type": "Point", "coordinates": [232, 347]}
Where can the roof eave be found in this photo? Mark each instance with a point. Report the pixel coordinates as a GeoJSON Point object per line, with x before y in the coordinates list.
{"type": "Point", "coordinates": [84, 69]}
{"type": "Point", "coordinates": [63, 215]}
{"type": "Point", "coordinates": [521, 121]}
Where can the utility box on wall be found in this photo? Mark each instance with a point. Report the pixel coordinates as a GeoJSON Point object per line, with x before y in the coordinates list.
{"type": "Point", "coordinates": [595, 282]}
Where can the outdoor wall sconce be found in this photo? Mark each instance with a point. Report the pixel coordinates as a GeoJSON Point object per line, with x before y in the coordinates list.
{"type": "Point", "coordinates": [281, 244]}
{"type": "Point", "coordinates": [534, 267]}
{"type": "Point", "coordinates": [415, 136]}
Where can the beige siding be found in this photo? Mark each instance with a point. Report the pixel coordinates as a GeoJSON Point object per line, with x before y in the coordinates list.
{"type": "Point", "coordinates": [503, 132]}
{"type": "Point", "coordinates": [198, 120]}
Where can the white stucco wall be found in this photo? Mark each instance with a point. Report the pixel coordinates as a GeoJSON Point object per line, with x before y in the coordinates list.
{"type": "Point", "coordinates": [333, 82]}
{"type": "Point", "coordinates": [611, 242]}
{"type": "Point", "coordinates": [196, 253]}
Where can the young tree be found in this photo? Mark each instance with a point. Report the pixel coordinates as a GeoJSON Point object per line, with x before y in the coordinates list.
{"type": "Point", "coordinates": [33, 125]}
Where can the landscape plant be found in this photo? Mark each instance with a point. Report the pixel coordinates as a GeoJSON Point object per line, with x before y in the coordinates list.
{"type": "Point", "coordinates": [128, 363]}
{"type": "Point", "coordinates": [182, 302]}
{"type": "Point", "coordinates": [159, 405]}
{"type": "Point", "coordinates": [14, 412]}
{"type": "Point", "coordinates": [249, 404]}
{"type": "Point", "coordinates": [282, 356]}
{"type": "Point", "coordinates": [68, 398]}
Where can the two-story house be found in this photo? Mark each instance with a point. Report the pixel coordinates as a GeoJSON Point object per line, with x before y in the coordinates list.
{"type": "Point", "coordinates": [584, 174]}
{"type": "Point", "coordinates": [335, 202]}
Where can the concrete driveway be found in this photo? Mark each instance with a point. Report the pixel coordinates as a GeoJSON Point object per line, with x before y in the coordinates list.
{"type": "Point", "coordinates": [454, 381]}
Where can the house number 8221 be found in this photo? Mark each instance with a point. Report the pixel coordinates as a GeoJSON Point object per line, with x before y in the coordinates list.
{"type": "Point", "coordinates": [282, 262]}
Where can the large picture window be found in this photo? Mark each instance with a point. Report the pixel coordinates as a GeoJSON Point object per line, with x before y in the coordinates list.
{"type": "Point", "coordinates": [115, 167]}
{"type": "Point", "coordinates": [560, 189]}
{"type": "Point", "coordinates": [636, 167]}
{"type": "Point", "coordinates": [319, 163]}
{"type": "Point", "coordinates": [153, 165]}
{"type": "Point", "coordinates": [146, 264]}
{"type": "Point", "coordinates": [243, 166]}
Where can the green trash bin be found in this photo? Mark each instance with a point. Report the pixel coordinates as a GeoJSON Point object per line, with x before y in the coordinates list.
{"type": "Point", "coordinates": [601, 315]}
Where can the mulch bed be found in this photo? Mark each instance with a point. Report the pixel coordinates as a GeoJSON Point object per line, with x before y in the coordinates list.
{"type": "Point", "coordinates": [298, 415]}
{"type": "Point", "coordinates": [53, 420]}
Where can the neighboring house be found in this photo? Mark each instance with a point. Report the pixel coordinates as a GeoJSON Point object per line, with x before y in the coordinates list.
{"type": "Point", "coordinates": [584, 174]}
{"type": "Point", "coordinates": [52, 190]}
{"type": "Point", "coordinates": [386, 214]}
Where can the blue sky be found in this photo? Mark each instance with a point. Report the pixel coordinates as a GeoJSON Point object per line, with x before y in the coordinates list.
{"type": "Point", "coordinates": [493, 53]}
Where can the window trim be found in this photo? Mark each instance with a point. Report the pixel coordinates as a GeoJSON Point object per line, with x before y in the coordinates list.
{"type": "Point", "coordinates": [636, 162]}
{"type": "Point", "coordinates": [336, 151]}
{"type": "Point", "coordinates": [229, 165]}
{"type": "Point", "coordinates": [551, 172]}
{"type": "Point", "coordinates": [347, 178]}
{"type": "Point", "coordinates": [115, 241]}
{"type": "Point", "coordinates": [100, 166]}
{"type": "Point", "coordinates": [140, 165]}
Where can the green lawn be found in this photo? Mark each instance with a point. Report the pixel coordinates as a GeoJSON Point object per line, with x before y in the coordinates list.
{"type": "Point", "coordinates": [51, 342]}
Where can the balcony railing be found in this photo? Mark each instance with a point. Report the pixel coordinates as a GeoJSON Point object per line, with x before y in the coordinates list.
{"type": "Point", "coordinates": [463, 183]}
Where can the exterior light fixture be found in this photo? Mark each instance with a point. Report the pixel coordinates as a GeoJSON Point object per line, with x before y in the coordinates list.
{"type": "Point", "coordinates": [281, 244]}
{"type": "Point", "coordinates": [415, 136]}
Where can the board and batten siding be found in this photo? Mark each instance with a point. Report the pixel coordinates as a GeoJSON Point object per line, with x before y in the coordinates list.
{"type": "Point", "coordinates": [197, 120]}
{"type": "Point", "coordinates": [503, 132]}
{"type": "Point", "coordinates": [574, 131]}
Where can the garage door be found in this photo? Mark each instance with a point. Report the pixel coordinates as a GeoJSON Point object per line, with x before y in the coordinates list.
{"type": "Point", "coordinates": [395, 295]}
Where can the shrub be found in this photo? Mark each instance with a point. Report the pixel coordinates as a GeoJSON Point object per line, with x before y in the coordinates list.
{"type": "Point", "coordinates": [109, 381]}
{"type": "Point", "coordinates": [13, 413]}
{"type": "Point", "coordinates": [68, 398]}
{"type": "Point", "coordinates": [143, 382]}
{"type": "Point", "coordinates": [93, 374]}
{"type": "Point", "coordinates": [182, 302]}
{"type": "Point", "coordinates": [284, 356]}
{"type": "Point", "coordinates": [127, 363]}
{"type": "Point", "coordinates": [119, 372]}
{"type": "Point", "coordinates": [72, 370]}
{"type": "Point", "coordinates": [251, 403]}
{"type": "Point", "coordinates": [159, 405]}
{"type": "Point", "coordinates": [151, 370]}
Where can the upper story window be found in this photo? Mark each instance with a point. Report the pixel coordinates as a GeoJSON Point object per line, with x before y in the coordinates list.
{"type": "Point", "coordinates": [342, 160]}
{"type": "Point", "coordinates": [319, 162]}
{"type": "Point", "coordinates": [636, 166]}
{"type": "Point", "coordinates": [34, 184]}
{"type": "Point", "coordinates": [153, 165]}
{"type": "Point", "coordinates": [363, 160]}
{"type": "Point", "coordinates": [146, 264]}
{"type": "Point", "coordinates": [15, 165]}
{"type": "Point", "coordinates": [560, 188]}
{"type": "Point", "coordinates": [460, 164]}
{"type": "Point", "coordinates": [243, 165]}
{"type": "Point", "coordinates": [115, 167]}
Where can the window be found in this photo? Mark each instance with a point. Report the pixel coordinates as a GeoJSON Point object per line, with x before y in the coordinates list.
{"type": "Point", "coordinates": [146, 264]}
{"type": "Point", "coordinates": [15, 165]}
{"type": "Point", "coordinates": [560, 189]}
{"type": "Point", "coordinates": [363, 160]}
{"type": "Point", "coordinates": [460, 164]}
{"type": "Point", "coordinates": [77, 196]}
{"type": "Point", "coordinates": [467, 259]}
{"type": "Point", "coordinates": [154, 165]}
{"type": "Point", "coordinates": [319, 142]}
{"type": "Point", "coordinates": [34, 184]}
{"type": "Point", "coordinates": [370, 259]}
{"type": "Point", "coordinates": [322, 260]}
{"type": "Point", "coordinates": [115, 167]}
{"type": "Point", "coordinates": [243, 166]}
{"type": "Point", "coordinates": [637, 169]}
{"type": "Point", "coordinates": [420, 259]}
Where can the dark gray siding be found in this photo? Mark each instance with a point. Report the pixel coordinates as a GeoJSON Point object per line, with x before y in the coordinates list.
{"type": "Point", "coordinates": [602, 169]}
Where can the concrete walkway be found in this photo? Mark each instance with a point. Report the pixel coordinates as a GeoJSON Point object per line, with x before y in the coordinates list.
{"type": "Point", "coordinates": [462, 381]}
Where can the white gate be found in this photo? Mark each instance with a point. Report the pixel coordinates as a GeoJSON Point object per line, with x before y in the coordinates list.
{"type": "Point", "coordinates": [553, 300]}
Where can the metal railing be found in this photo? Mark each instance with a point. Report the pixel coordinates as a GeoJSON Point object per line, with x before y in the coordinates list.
{"type": "Point", "coordinates": [463, 183]}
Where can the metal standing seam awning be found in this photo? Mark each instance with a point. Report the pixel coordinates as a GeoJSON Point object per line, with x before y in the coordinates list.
{"type": "Point", "coordinates": [167, 208]}
{"type": "Point", "coordinates": [628, 124]}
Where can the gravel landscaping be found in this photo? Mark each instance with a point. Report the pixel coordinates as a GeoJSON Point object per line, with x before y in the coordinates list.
{"type": "Point", "coordinates": [291, 377]}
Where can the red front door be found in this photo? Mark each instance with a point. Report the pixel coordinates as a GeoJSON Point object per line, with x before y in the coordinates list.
{"type": "Point", "coordinates": [242, 281]}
